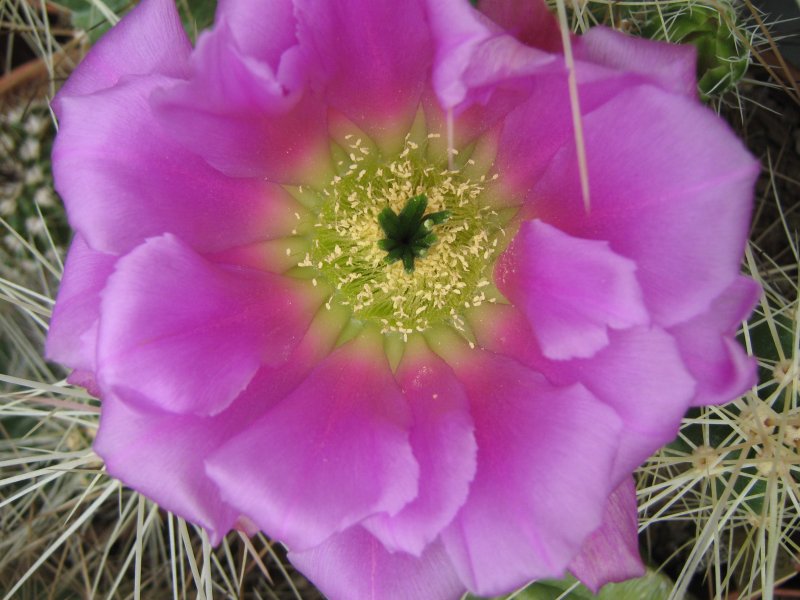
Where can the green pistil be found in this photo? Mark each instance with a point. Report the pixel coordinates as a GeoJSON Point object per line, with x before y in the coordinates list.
{"type": "Point", "coordinates": [408, 234]}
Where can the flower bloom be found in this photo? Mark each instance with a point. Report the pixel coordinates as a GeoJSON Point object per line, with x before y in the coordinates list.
{"type": "Point", "coordinates": [333, 274]}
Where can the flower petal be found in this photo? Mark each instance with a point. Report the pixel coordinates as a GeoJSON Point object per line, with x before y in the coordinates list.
{"type": "Point", "coordinates": [353, 565]}
{"type": "Point", "coordinates": [640, 374]}
{"type": "Point", "coordinates": [611, 553]}
{"type": "Point", "coordinates": [473, 56]}
{"type": "Point", "coordinates": [72, 337]}
{"type": "Point", "coordinates": [543, 452]}
{"type": "Point", "coordinates": [262, 30]}
{"type": "Point", "coordinates": [333, 452]}
{"type": "Point", "coordinates": [244, 118]}
{"type": "Point", "coordinates": [371, 57]}
{"type": "Point", "coordinates": [149, 40]}
{"type": "Point", "coordinates": [541, 124]}
{"type": "Point", "coordinates": [444, 446]}
{"type": "Point", "coordinates": [572, 290]}
{"type": "Point", "coordinates": [162, 454]}
{"type": "Point", "coordinates": [187, 335]}
{"type": "Point", "coordinates": [530, 21]}
{"type": "Point", "coordinates": [85, 379]}
{"type": "Point", "coordinates": [123, 179]}
{"type": "Point", "coordinates": [722, 368]}
{"type": "Point", "coordinates": [672, 66]}
{"type": "Point", "coordinates": [679, 206]}
{"type": "Point", "coordinates": [527, 144]}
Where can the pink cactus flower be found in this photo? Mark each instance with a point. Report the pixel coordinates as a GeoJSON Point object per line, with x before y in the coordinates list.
{"type": "Point", "coordinates": [333, 272]}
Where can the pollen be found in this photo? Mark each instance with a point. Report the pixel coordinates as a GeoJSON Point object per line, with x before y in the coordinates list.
{"type": "Point", "coordinates": [349, 246]}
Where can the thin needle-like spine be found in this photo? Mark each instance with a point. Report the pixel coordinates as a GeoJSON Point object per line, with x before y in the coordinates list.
{"type": "Point", "coordinates": [575, 106]}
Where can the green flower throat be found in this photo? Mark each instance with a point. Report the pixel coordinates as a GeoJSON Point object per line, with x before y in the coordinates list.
{"type": "Point", "coordinates": [406, 243]}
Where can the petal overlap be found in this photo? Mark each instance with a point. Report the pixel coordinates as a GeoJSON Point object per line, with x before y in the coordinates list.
{"type": "Point", "coordinates": [136, 442]}
{"type": "Point", "coordinates": [572, 290]}
{"type": "Point", "coordinates": [669, 65]}
{"type": "Point", "coordinates": [444, 445]}
{"type": "Point", "coordinates": [474, 55]}
{"type": "Point", "coordinates": [331, 453]}
{"type": "Point", "coordinates": [149, 41]}
{"type": "Point", "coordinates": [641, 375]}
{"type": "Point", "coordinates": [262, 30]}
{"type": "Point", "coordinates": [72, 338]}
{"type": "Point", "coordinates": [353, 58]}
{"type": "Point", "coordinates": [680, 214]}
{"type": "Point", "coordinates": [612, 551]}
{"type": "Point", "coordinates": [234, 110]}
{"type": "Point", "coordinates": [338, 567]}
{"type": "Point", "coordinates": [161, 455]}
{"type": "Point", "coordinates": [504, 534]}
{"type": "Point", "coordinates": [720, 365]}
{"type": "Point", "coordinates": [117, 195]}
{"type": "Point", "coordinates": [194, 317]}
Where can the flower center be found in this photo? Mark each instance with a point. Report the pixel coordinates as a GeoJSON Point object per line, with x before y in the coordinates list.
{"type": "Point", "coordinates": [408, 234]}
{"type": "Point", "coordinates": [377, 218]}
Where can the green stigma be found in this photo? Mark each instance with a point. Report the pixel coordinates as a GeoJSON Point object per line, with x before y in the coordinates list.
{"type": "Point", "coordinates": [408, 234]}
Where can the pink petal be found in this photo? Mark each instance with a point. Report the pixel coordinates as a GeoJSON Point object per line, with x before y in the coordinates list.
{"type": "Point", "coordinates": [678, 206]}
{"type": "Point", "coordinates": [641, 376]}
{"type": "Point", "coordinates": [85, 379]}
{"type": "Point", "coordinates": [162, 455]}
{"type": "Point", "coordinates": [333, 452]}
{"type": "Point", "coordinates": [371, 58]}
{"type": "Point", "coordinates": [529, 20]}
{"type": "Point", "coordinates": [244, 118]}
{"type": "Point", "coordinates": [444, 446]}
{"type": "Point", "coordinates": [611, 553]}
{"type": "Point", "coordinates": [270, 256]}
{"type": "Point", "coordinates": [72, 337]}
{"type": "Point", "coordinates": [544, 459]}
{"type": "Point", "coordinates": [150, 40]}
{"type": "Point", "coordinates": [476, 127]}
{"type": "Point", "coordinates": [710, 351]}
{"type": "Point", "coordinates": [353, 565]}
{"type": "Point", "coordinates": [504, 329]}
{"type": "Point", "coordinates": [572, 290]}
{"type": "Point", "coordinates": [473, 56]}
{"type": "Point", "coordinates": [672, 66]}
{"type": "Point", "coordinates": [262, 30]}
{"type": "Point", "coordinates": [187, 335]}
{"type": "Point", "coordinates": [123, 179]}
{"type": "Point", "coordinates": [527, 145]}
